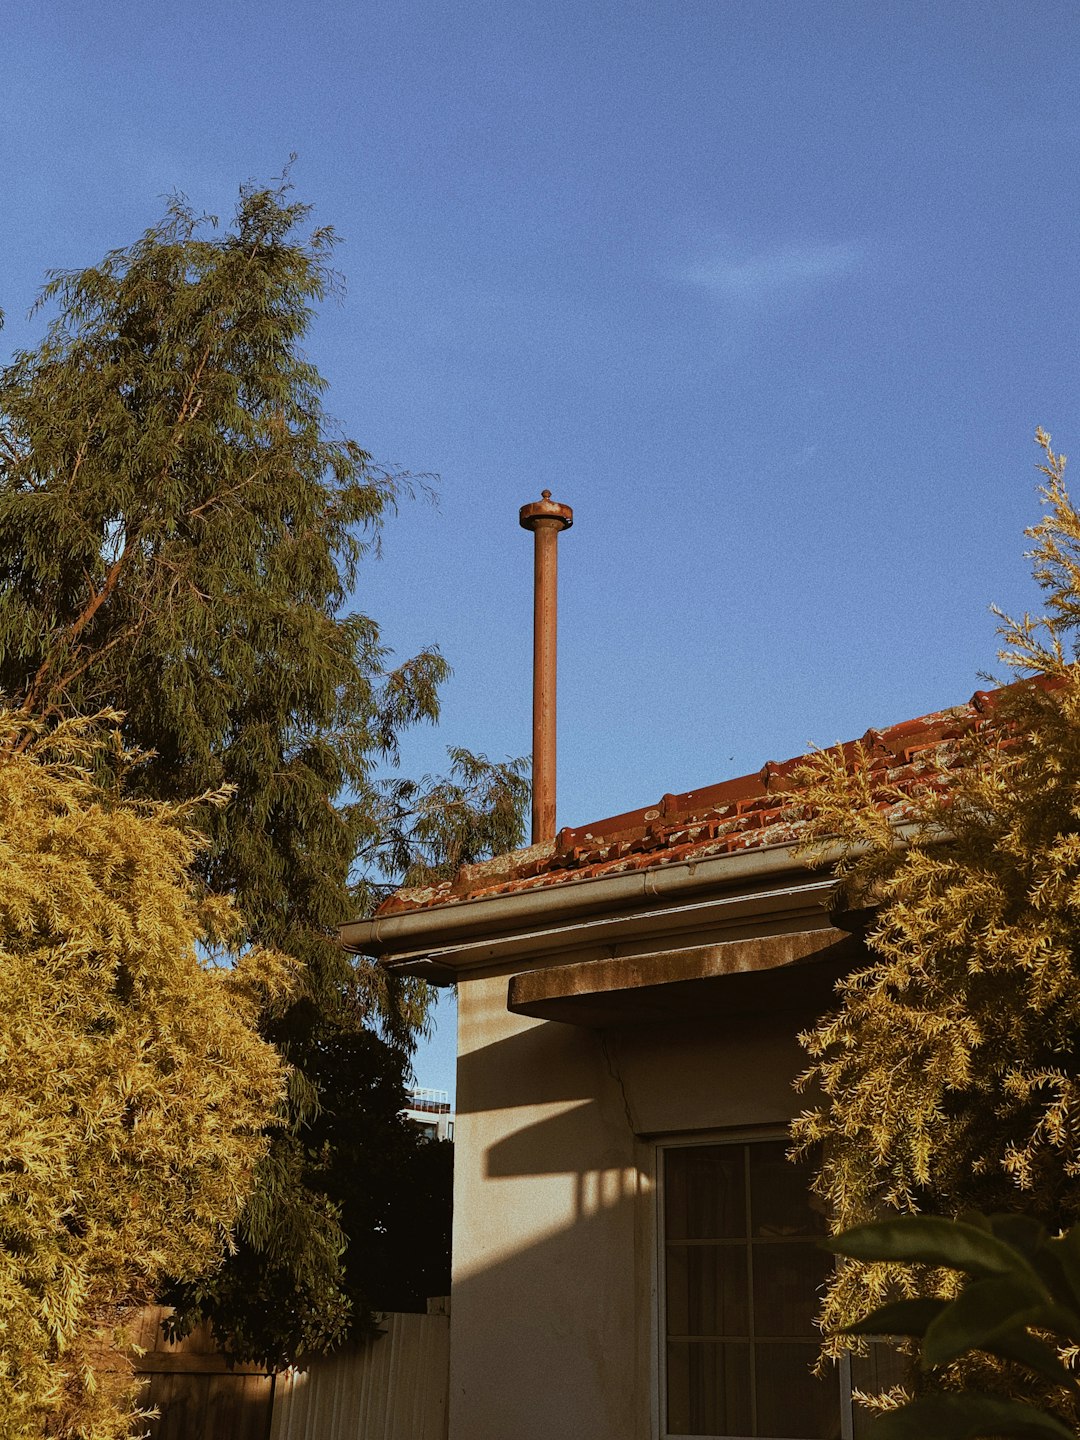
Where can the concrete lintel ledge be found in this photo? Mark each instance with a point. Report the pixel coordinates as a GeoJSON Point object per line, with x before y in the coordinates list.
{"type": "Point", "coordinates": [672, 984]}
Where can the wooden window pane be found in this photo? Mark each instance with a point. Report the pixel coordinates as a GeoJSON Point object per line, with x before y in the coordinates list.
{"type": "Point", "coordinates": [780, 1198]}
{"type": "Point", "coordinates": [705, 1193]}
{"type": "Point", "coordinates": [792, 1402]}
{"type": "Point", "coordinates": [708, 1389]}
{"type": "Point", "coordinates": [707, 1290]}
{"type": "Point", "coordinates": [743, 1278]}
{"type": "Point", "coordinates": [879, 1370]}
{"type": "Point", "coordinates": [787, 1283]}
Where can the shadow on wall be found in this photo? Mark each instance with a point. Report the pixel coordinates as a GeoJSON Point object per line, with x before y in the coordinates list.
{"type": "Point", "coordinates": [555, 1307]}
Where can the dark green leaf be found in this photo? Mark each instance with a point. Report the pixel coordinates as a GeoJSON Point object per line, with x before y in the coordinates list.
{"type": "Point", "coordinates": [1023, 1232]}
{"type": "Point", "coordinates": [902, 1317]}
{"type": "Point", "coordinates": [980, 1314]}
{"type": "Point", "coordinates": [929, 1240]}
{"type": "Point", "coordinates": [1028, 1350]}
{"type": "Point", "coordinates": [968, 1416]}
{"type": "Point", "coordinates": [1067, 1250]}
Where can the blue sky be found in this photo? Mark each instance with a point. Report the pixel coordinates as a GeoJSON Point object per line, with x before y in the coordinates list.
{"type": "Point", "coordinates": [773, 294]}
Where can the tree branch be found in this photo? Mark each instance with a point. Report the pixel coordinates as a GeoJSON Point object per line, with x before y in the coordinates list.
{"type": "Point", "coordinates": [87, 614]}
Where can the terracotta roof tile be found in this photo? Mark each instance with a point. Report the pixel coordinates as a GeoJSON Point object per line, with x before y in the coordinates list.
{"type": "Point", "coordinates": [748, 812]}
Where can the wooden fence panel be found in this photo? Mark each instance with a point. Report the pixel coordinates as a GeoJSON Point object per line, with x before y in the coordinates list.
{"type": "Point", "coordinates": [394, 1388]}
{"type": "Point", "coordinates": [195, 1393]}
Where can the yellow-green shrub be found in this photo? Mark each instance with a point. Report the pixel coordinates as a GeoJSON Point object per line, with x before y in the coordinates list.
{"type": "Point", "coordinates": [133, 1084]}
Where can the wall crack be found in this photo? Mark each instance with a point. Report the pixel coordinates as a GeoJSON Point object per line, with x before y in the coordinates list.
{"type": "Point", "coordinates": [614, 1070]}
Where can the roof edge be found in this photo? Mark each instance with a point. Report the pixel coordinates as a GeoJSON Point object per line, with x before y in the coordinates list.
{"type": "Point", "coordinates": [751, 812]}
{"type": "Point", "coordinates": [436, 926]}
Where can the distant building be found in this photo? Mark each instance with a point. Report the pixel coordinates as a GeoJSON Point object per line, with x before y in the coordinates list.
{"type": "Point", "coordinates": [429, 1111]}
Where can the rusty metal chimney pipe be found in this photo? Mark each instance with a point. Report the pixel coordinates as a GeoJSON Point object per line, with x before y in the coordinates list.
{"type": "Point", "coordinates": [545, 518]}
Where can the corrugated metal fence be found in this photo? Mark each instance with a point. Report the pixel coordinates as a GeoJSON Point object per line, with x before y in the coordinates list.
{"type": "Point", "coordinates": [395, 1388]}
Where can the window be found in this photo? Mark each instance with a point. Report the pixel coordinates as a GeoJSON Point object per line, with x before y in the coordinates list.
{"type": "Point", "coordinates": [741, 1276]}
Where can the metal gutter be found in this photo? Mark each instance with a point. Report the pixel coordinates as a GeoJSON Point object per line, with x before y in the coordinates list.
{"type": "Point", "coordinates": [438, 929]}
{"type": "Point", "coordinates": [780, 904]}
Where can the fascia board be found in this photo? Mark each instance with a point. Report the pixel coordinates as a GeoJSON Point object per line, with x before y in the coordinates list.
{"type": "Point", "coordinates": [414, 932]}
{"type": "Point", "coordinates": [439, 940]}
{"type": "Point", "coordinates": [779, 906]}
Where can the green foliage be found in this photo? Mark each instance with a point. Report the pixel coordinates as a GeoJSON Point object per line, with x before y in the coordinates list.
{"type": "Point", "coordinates": [428, 829]}
{"type": "Point", "coordinates": [180, 533]}
{"type": "Point", "coordinates": [1021, 1281]}
{"type": "Point", "coordinates": [135, 1086]}
{"type": "Point", "coordinates": [969, 1416]}
{"type": "Point", "coordinates": [949, 1078]}
{"type": "Point", "coordinates": [388, 1197]}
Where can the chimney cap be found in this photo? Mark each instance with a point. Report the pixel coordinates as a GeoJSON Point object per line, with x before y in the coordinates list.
{"type": "Point", "coordinates": [545, 509]}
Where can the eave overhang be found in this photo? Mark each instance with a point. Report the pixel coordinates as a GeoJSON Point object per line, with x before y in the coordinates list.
{"type": "Point", "coordinates": [668, 908]}
{"type": "Point", "coordinates": [663, 911]}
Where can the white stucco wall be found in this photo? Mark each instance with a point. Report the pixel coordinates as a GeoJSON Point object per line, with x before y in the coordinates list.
{"type": "Point", "coordinates": [552, 1322]}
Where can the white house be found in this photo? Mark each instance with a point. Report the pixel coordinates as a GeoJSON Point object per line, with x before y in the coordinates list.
{"type": "Point", "coordinates": [634, 1257]}
{"type": "Point", "coordinates": [429, 1112]}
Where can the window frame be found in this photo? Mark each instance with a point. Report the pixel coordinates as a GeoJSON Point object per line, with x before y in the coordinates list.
{"type": "Point", "coordinates": [700, 1139]}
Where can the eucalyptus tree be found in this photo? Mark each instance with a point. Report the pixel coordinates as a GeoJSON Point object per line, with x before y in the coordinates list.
{"type": "Point", "coordinates": [181, 535]}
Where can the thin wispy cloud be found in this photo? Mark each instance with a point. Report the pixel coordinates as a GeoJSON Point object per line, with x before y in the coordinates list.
{"type": "Point", "coordinates": [786, 270]}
